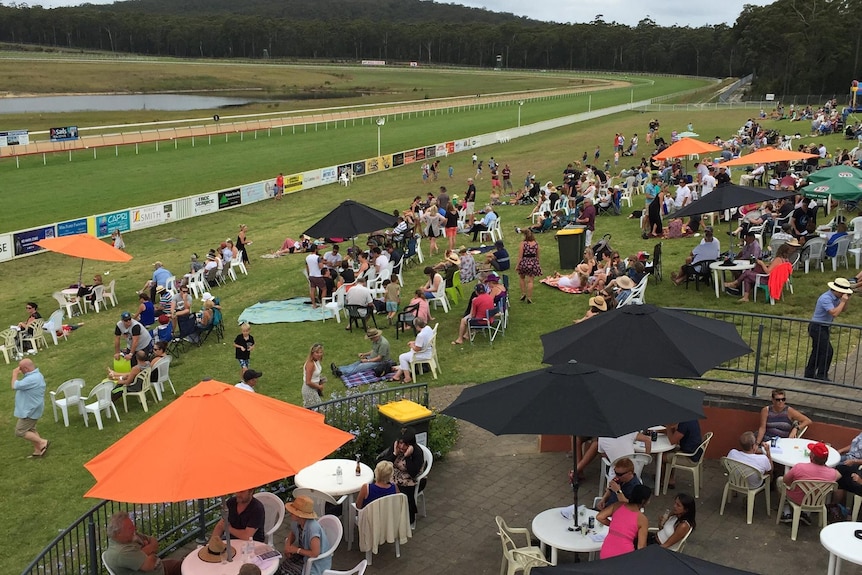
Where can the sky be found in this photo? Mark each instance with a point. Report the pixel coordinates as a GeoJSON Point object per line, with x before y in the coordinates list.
{"type": "Point", "coordinates": [662, 12]}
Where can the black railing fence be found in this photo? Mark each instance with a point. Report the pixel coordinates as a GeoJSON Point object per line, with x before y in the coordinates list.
{"type": "Point", "coordinates": [77, 550]}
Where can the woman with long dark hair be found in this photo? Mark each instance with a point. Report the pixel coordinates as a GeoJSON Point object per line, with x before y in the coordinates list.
{"type": "Point", "coordinates": [674, 525]}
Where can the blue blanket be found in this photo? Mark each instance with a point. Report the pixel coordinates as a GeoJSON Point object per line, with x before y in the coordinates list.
{"type": "Point", "coordinates": [284, 311]}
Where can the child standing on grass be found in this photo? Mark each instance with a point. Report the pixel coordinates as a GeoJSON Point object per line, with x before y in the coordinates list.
{"type": "Point", "coordinates": [244, 343]}
{"type": "Point", "coordinates": [392, 298]}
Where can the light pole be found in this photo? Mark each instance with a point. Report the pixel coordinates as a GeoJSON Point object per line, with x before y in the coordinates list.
{"type": "Point", "coordinates": [380, 122]}
{"type": "Point", "coordinates": [520, 103]}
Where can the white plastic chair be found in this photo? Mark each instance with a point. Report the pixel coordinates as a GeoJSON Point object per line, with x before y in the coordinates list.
{"type": "Point", "coordinates": [105, 563]}
{"type": "Point", "coordinates": [490, 235]}
{"type": "Point", "coordinates": [335, 303]}
{"type": "Point", "coordinates": [69, 393]}
{"type": "Point", "coordinates": [144, 378]}
{"type": "Point", "coordinates": [814, 250]}
{"type": "Point", "coordinates": [198, 284]}
{"type": "Point", "coordinates": [344, 179]}
{"type": "Point", "coordinates": [274, 516]}
{"type": "Point", "coordinates": [55, 324]}
{"type": "Point", "coordinates": [814, 497]}
{"type": "Point", "coordinates": [163, 376]}
{"type": "Point", "coordinates": [841, 247]}
{"type": "Point", "coordinates": [98, 298]}
{"type": "Point", "coordinates": [358, 570]}
{"type": "Point", "coordinates": [432, 362]}
{"type": "Point", "coordinates": [102, 394]}
{"type": "Point", "coordinates": [8, 347]}
{"type": "Point", "coordinates": [110, 293]}
{"type": "Point", "coordinates": [331, 525]}
{"type": "Point", "coordinates": [739, 480]}
{"type": "Point", "coordinates": [637, 295]}
{"type": "Point", "coordinates": [640, 460]}
{"type": "Point", "coordinates": [238, 263]}
{"type": "Point", "coordinates": [38, 335]}
{"type": "Point", "coordinates": [426, 469]}
{"type": "Point", "coordinates": [683, 461]}
{"type": "Point", "coordinates": [440, 297]}
{"type": "Point", "coordinates": [539, 214]}
{"type": "Point", "coordinates": [516, 558]}
{"type": "Point", "coordinates": [392, 510]}
{"type": "Point", "coordinates": [68, 304]}
{"type": "Point", "coordinates": [679, 545]}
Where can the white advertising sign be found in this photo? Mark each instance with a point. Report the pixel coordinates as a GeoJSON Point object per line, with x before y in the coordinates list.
{"type": "Point", "coordinates": [206, 204]}
{"type": "Point", "coordinates": [147, 216]}
{"type": "Point", "coordinates": [329, 175]}
{"type": "Point", "coordinates": [5, 247]}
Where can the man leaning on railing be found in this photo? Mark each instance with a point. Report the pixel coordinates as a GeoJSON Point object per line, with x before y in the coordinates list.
{"type": "Point", "coordinates": [130, 552]}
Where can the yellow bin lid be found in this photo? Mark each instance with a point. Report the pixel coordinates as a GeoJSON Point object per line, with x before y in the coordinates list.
{"type": "Point", "coordinates": [571, 232]}
{"type": "Point", "coordinates": [404, 411]}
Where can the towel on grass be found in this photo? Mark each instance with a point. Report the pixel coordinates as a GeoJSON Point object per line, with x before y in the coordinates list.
{"type": "Point", "coordinates": [283, 311]}
{"type": "Point", "coordinates": [364, 377]}
{"type": "Point", "coordinates": [554, 283]}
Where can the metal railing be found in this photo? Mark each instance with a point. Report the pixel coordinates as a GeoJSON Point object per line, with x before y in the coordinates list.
{"type": "Point", "coordinates": [781, 348]}
{"type": "Point", "coordinates": [78, 548]}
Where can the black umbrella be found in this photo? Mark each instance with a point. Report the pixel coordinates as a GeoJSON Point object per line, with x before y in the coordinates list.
{"type": "Point", "coordinates": [575, 399]}
{"type": "Point", "coordinates": [647, 340]}
{"type": "Point", "coordinates": [350, 219]}
{"type": "Point", "coordinates": [652, 560]}
{"type": "Point", "coordinates": [726, 196]}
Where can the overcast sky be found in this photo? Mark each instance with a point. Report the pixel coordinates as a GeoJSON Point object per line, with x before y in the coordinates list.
{"type": "Point", "coordinates": [663, 12]}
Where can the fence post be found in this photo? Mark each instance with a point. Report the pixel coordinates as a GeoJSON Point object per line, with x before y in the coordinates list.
{"type": "Point", "coordinates": [757, 360]}
{"type": "Point", "coordinates": [202, 523]}
{"type": "Point", "coordinates": [95, 561]}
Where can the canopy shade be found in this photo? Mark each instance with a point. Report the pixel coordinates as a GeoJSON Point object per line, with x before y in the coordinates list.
{"type": "Point", "coordinates": [729, 195]}
{"type": "Point", "coordinates": [768, 155]}
{"type": "Point", "coordinates": [686, 147]}
{"type": "Point", "coordinates": [84, 246]}
{"type": "Point", "coordinates": [350, 219]}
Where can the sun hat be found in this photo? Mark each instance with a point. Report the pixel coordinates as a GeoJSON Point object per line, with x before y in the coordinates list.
{"type": "Point", "coordinates": [302, 507]}
{"type": "Point", "coordinates": [160, 289]}
{"type": "Point", "coordinates": [157, 264]}
{"type": "Point", "coordinates": [492, 277]}
{"type": "Point", "coordinates": [373, 332]}
{"type": "Point", "coordinates": [819, 450]}
{"type": "Point", "coordinates": [462, 250]}
{"type": "Point", "coordinates": [207, 296]}
{"type": "Point", "coordinates": [251, 374]}
{"type": "Point", "coordinates": [211, 552]}
{"type": "Point", "coordinates": [598, 303]}
{"type": "Point", "coordinates": [625, 282]}
{"type": "Point", "coordinates": [793, 243]}
{"type": "Point", "coordinates": [841, 285]}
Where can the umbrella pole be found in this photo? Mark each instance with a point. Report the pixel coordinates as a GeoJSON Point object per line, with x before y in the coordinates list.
{"type": "Point", "coordinates": [226, 523]}
{"type": "Point", "coordinates": [81, 273]}
{"type": "Point", "coordinates": [575, 483]}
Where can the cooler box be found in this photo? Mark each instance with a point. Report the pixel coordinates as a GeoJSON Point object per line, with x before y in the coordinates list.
{"type": "Point", "coordinates": [404, 413]}
{"type": "Point", "coordinates": [571, 242]}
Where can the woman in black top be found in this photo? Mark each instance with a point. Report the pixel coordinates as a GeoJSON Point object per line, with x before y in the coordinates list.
{"type": "Point", "coordinates": [408, 461]}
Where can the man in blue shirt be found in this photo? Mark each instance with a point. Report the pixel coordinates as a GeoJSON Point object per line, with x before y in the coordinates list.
{"type": "Point", "coordinates": [829, 306]}
{"type": "Point", "coordinates": [486, 224]}
{"type": "Point", "coordinates": [29, 404]}
{"type": "Point", "coordinates": [160, 278]}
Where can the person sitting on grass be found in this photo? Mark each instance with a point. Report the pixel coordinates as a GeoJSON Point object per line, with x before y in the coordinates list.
{"type": "Point", "coordinates": [543, 226]}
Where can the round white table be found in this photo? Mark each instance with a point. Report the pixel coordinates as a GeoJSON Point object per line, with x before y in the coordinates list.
{"type": "Point", "coordinates": [661, 445]}
{"type": "Point", "coordinates": [193, 565]}
{"type": "Point", "coordinates": [792, 451]}
{"type": "Point", "coordinates": [716, 267]}
{"type": "Point", "coordinates": [552, 530]}
{"type": "Point", "coordinates": [321, 476]}
{"type": "Point", "coordinates": [841, 542]}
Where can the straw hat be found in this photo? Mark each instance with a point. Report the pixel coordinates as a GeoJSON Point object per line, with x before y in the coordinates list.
{"type": "Point", "coordinates": [599, 303]}
{"type": "Point", "coordinates": [302, 506]}
{"type": "Point", "coordinates": [211, 552]}
{"type": "Point", "coordinates": [372, 333]}
{"type": "Point", "coordinates": [625, 282]}
{"type": "Point", "coordinates": [841, 285]}
{"type": "Point", "coordinates": [793, 243]}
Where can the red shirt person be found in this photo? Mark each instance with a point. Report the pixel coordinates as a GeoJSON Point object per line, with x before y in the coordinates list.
{"type": "Point", "coordinates": [479, 316]}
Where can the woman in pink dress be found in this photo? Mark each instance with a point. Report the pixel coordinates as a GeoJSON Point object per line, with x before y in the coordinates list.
{"type": "Point", "coordinates": [627, 523]}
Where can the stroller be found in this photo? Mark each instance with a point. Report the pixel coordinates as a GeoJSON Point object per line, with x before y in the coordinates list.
{"type": "Point", "coordinates": [603, 248]}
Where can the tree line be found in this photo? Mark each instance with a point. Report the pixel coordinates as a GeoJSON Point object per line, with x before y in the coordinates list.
{"type": "Point", "coordinates": [792, 46]}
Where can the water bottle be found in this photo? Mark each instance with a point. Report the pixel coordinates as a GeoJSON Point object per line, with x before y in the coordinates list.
{"type": "Point", "coordinates": [248, 554]}
{"type": "Point", "coordinates": [339, 476]}
{"type": "Point", "coordinates": [358, 467]}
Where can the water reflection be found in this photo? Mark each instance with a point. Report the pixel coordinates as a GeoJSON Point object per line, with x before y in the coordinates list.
{"type": "Point", "coordinates": [116, 103]}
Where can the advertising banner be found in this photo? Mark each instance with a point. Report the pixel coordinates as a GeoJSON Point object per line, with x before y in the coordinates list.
{"type": "Point", "coordinates": [329, 175]}
{"type": "Point", "coordinates": [14, 138]}
{"type": "Point", "coordinates": [292, 183]}
{"type": "Point", "coordinates": [450, 148]}
{"type": "Point", "coordinates": [107, 223]}
{"type": "Point", "coordinates": [256, 192]}
{"type": "Point", "coordinates": [410, 156]}
{"type": "Point", "coordinates": [419, 154]}
{"type": "Point", "coordinates": [25, 242]}
{"type": "Point", "coordinates": [345, 168]}
{"type": "Point", "coordinates": [64, 134]}
{"type": "Point", "coordinates": [440, 151]}
{"type": "Point", "coordinates": [397, 159]}
{"type": "Point", "coordinates": [152, 215]}
{"type": "Point", "coordinates": [476, 142]}
{"type": "Point", "coordinates": [359, 168]}
{"type": "Point", "coordinates": [5, 247]}
{"type": "Point", "coordinates": [312, 179]}
{"type": "Point", "coordinates": [430, 151]}
{"type": "Point", "coordinates": [229, 198]}
{"type": "Point", "coordinates": [206, 204]}
{"type": "Point", "coordinates": [72, 227]}
{"type": "Point", "coordinates": [378, 164]}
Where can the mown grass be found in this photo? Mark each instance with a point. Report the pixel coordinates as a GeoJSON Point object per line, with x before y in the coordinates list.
{"type": "Point", "coordinates": [50, 490]}
{"type": "Point", "coordinates": [120, 179]}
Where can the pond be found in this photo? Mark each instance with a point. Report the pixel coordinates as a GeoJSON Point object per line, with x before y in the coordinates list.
{"type": "Point", "coordinates": [116, 103]}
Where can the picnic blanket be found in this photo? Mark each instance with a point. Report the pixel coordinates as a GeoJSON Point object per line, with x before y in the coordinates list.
{"type": "Point", "coordinates": [364, 377]}
{"type": "Point", "coordinates": [283, 311]}
{"type": "Point", "coordinates": [554, 283]}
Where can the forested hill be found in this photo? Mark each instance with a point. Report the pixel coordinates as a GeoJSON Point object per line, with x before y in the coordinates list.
{"type": "Point", "coordinates": [343, 10]}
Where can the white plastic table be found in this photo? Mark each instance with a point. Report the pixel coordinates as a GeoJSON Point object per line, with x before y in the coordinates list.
{"type": "Point", "coordinates": [840, 540]}
{"type": "Point", "coordinates": [716, 267]}
{"type": "Point", "coordinates": [661, 445]}
{"type": "Point", "coordinates": [321, 476]}
{"type": "Point", "coordinates": [193, 565]}
{"type": "Point", "coordinates": [552, 530]}
{"type": "Point", "coordinates": [793, 452]}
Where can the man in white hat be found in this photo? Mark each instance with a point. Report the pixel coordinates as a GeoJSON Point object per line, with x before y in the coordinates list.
{"type": "Point", "coordinates": [829, 305]}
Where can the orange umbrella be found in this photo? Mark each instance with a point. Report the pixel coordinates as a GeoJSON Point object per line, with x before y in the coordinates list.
{"type": "Point", "coordinates": [685, 147]}
{"type": "Point", "coordinates": [86, 247]}
{"type": "Point", "coordinates": [768, 155]}
{"type": "Point", "coordinates": [212, 440]}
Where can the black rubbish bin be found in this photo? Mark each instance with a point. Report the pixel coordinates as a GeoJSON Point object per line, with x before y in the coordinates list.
{"type": "Point", "coordinates": [397, 415]}
{"type": "Point", "coordinates": [571, 242]}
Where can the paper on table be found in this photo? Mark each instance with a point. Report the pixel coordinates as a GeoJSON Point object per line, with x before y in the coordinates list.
{"type": "Point", "coordinates": [598, 537]}
{"type": "Point", "coordinates": [776, 449]}
{"type": "Point", "coordinates": [567, 512]}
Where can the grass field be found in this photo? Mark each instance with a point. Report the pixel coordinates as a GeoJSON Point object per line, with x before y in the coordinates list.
{"type": "Point", "coordinates": [50, 489]}
{"type": "Point", "coordinates": [87, 185]}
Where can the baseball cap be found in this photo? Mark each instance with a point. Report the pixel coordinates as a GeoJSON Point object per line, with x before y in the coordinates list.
{"type": "Point", "coordinates": [125, 316]}
{"type": "Point", "coordinates": [819, 449]}
{"type": "Point", "coordinates": [251, 374]}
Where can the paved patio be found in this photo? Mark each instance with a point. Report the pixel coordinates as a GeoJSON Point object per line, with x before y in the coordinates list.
{"type": "Point", "coordinates": [487, 475]}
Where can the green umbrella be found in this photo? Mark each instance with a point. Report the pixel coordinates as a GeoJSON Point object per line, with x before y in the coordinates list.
{"type": "Point", "coordinates": [844, 172]}
{"type": "Point", "coordinates": [841, 189]}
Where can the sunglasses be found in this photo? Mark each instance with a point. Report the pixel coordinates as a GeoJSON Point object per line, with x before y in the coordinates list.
{"type": "Point", "coordinates": [620, 473]}
{"type": "Point", "coordinates": [779, 399]}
